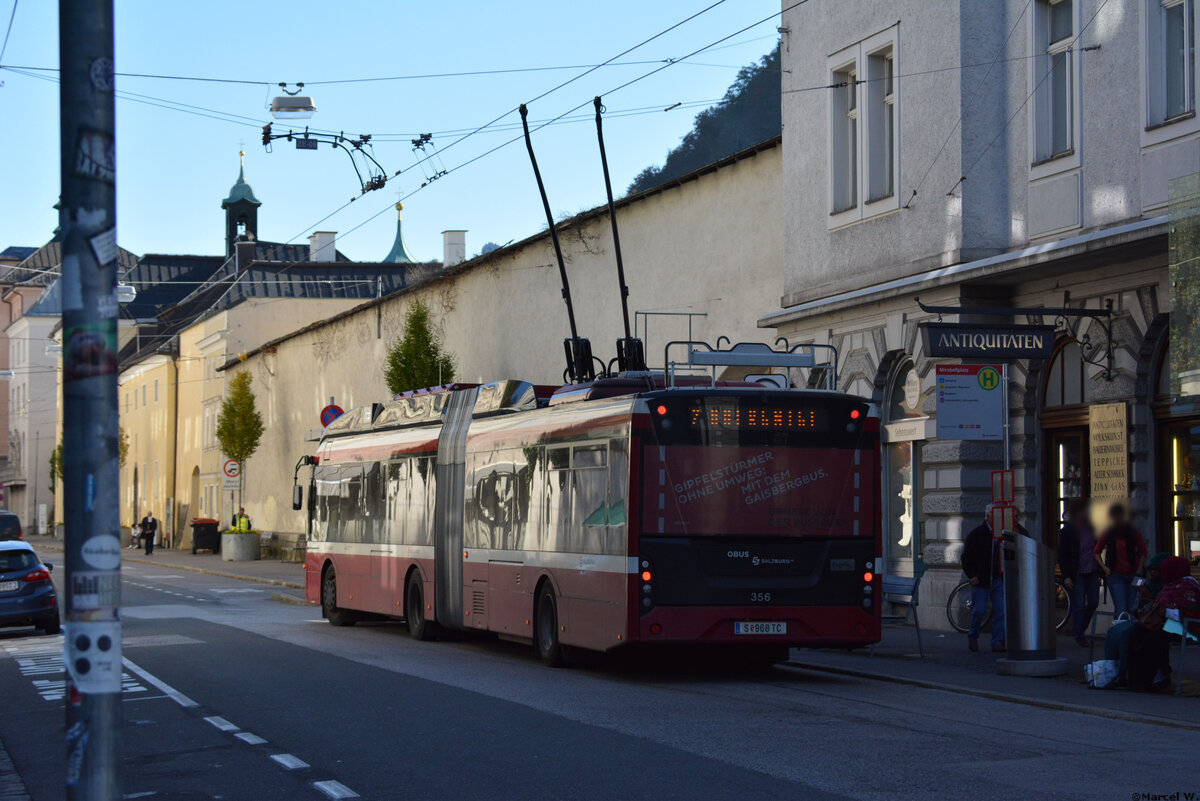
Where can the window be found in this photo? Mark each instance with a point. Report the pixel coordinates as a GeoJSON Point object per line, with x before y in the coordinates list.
{"type": "Point", "coordinates": [1066, 378]}
{"type": "Point", "coordinates": [1171, 51]}
{"type": "Point", "coordinates": [156, 390]}
{"type": "Point", "coordinates": [1054, 77]}
{"type": "Point", "coordinates": [904, 433]}
{"type": "Point", "coordinates": [844, 143]}
{"type": "Point", "coordinates": [143, 394]}
{"type": "Point", "coordinates": [864, 139]}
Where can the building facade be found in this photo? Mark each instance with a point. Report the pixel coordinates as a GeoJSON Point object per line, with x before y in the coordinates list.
{"type": "Point", "coordinates": [996, 156]}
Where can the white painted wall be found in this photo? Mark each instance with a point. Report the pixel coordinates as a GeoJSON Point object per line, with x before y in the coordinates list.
{"type": "Point", "coordinates": [712, 245]}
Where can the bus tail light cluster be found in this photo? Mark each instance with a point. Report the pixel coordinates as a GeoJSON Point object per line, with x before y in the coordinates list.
{"type": "Point", "coordinates": [868, 585]}
{"type": "Point", "coordinates": [647, 588]}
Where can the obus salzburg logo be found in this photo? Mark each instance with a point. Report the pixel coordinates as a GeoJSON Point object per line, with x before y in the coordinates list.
{"type": "Point", "coordinates": [989, 378]}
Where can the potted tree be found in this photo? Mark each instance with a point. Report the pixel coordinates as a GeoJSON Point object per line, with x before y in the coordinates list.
{"type": "Point", "coordinates": [239, 429]}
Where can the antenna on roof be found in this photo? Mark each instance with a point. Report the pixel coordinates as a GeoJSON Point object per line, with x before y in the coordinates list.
{"type": "Point", "coordinates": [631, 355]}
{"type": "Point", "coordinates": [578, 350]}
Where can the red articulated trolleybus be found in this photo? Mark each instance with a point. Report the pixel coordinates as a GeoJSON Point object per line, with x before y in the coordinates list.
{"type": "Point", "coordinates": [623, 510]}
{"type": "Point", "coordinates": [628, 506]}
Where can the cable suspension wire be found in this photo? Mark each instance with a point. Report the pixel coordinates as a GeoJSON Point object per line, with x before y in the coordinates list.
{"type": "Point", "coordinates": [12, 16]}
{"type": "Point", "coordinates": [571, 110]}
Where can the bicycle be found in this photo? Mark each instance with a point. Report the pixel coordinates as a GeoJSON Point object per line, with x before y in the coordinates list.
{"type": "Point", "coordinates": [960, 604]}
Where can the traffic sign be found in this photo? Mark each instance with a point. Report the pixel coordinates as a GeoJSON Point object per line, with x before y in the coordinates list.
{"type": "Point", "coordinates": [232, 470]}
{"type": "Point", "coordinates": [330, 413]}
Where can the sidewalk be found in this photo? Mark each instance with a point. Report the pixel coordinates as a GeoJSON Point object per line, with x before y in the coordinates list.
{"type": "Point", "coordinates": [288, 575]}
{"type": "Point", "coordinates": [948, 665]}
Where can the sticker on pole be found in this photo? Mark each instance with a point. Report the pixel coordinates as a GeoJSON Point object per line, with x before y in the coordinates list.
{"type": "Point", "coordinates": [1004, 518]}
{"type": "Point", "coordinates": [232, 474]}
{"type": "Point", "coordinates": [330, 413]}
{"type": "Point", "coordinates": [93, 655]}
{"type": "Point", "coordinates": [1004, 486]}
{"type": "Point", "coordinates": [970, 402]}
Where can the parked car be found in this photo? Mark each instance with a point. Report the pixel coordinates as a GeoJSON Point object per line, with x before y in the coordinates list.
{"type": "Point", "coordinates": [27, 595]}
{"type": "Point", "coordinates": [10, 526]}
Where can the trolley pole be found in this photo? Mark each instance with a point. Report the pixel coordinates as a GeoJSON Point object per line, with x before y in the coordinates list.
{"type": "Point", "coordinates": [92, 651]}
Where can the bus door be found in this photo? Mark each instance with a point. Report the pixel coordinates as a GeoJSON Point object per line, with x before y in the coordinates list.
{"type": "Point", "coordinates": [448, 508]}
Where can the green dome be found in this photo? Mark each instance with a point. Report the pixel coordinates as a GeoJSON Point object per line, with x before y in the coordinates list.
{"type": "Point", "coordinates": [241, 192]}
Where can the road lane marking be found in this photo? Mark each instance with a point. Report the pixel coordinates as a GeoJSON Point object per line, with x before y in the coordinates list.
{"type": "Point", "coordinates": [164, 576]}
{"type": "Point", "coordinates": [335, 789]}
{"type": "Point", "coordinates": [249, 739]}
{"type": "Point", "coordinates": [221, 723]}
{"type": "Point", "coordinates": [290, 762]}
{"type": "Point", "coordinates": [224, 590]}
{"type": "Point", "coordinates": [163, 687]}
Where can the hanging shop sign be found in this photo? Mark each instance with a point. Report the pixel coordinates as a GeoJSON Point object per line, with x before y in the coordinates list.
{"type": "Point", "coordinates": [985, 341]}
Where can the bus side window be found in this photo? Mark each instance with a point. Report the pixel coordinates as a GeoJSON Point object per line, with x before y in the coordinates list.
{"type": "Point", "coordinates": [420, 502]}
{"type": "Point", "coordinates": [618, 489]}
{"type": "Point", "coordinates": [374, 515]}
{"type": "Point", "coordinates": [397, 502]}
{"type": "Point", "coordinates": [558, 499]}
{"type": "Point", "coordinates": [589, 504]}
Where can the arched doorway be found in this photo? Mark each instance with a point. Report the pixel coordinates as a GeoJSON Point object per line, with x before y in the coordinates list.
{"type": "Point", "coordinates": [1065, 455]}
{"type": "Point", "coordinates": [903, 432]}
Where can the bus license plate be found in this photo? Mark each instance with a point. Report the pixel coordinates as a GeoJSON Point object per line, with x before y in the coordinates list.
{"type": "Point", "coordinates": [9, 586]}
{"type": "Point", "coordinates": [759, 627]}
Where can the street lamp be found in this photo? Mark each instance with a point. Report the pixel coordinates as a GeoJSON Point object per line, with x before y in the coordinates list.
{"type": "Point", "coordinates": [126, 293]}
{"type": "Point", "coordinates": [292, 105]}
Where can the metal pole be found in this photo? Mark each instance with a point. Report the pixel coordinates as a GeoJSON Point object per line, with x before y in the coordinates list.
{"type": "Point", "coordinates": [90, 453]}
{"type": "Point", "coordinates": [1004, 402]}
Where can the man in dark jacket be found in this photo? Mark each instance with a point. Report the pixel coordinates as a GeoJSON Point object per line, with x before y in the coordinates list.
{"type": "Point", "coordinates": [983, 566]}
{"type": "Point", "coordinates": [149, 530]}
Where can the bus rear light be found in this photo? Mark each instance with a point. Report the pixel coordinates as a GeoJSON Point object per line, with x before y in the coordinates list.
{"type": "Point", "coordinates": [866, 603]}
{"type": "Point", "coordinates": [662, 410]}
{"type": "Point", "coordinates": [646, 602]}
{"type": "Point", "coordinates": [860, 628]}
{"type": "Point", "coordinates": [646, 588]}
{"type": "Point", "coordinates": [854, 414]}
{"type": "Point", "coordinates": [645, 575]}
{"type": "Point", "coordinates": [867, 589]}
{"type": "Point", "coordinates": [868, 577]}
{"type": "Point", "coordinates": [655, 628]}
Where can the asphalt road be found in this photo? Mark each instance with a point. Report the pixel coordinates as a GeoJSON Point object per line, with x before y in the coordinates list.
{"type": "Point", "coordinates": [232, 695]}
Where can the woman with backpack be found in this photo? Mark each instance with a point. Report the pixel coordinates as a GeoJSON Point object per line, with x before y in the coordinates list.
{"type": "Point", "coordinates": [1121, 553]}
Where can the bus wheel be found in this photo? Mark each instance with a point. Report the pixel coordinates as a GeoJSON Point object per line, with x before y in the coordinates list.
{"type": "Point", "coordinates": [329, 608]}
{"type": "Point", "coordinates": [549, 649]}
{"type": "Point", "coordinates": [414, 611]}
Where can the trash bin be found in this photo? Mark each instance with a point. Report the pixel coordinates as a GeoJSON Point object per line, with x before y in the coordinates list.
{"type": "Point", "coordinates": [205, 535]}
{"type": "Point", "coordinates": [1028, 597]}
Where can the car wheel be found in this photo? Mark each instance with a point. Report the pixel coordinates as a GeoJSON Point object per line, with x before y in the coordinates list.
{"type": "Point", "coordinates": [51, 625]}
{"type": "Point", "coordinates": [334, 613]}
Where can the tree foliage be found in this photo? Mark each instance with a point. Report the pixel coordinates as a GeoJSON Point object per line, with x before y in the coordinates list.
{"type": "Point", "coordinates": [56, 468]}
{"type": "Point", "coordinates": [747, 115]}
{"type": "Point", "coordinates": [239, 425]}
{"type": "Point", "coordinates": [122, 446]}
{"type": "Point", "coordinates": [417, 359]}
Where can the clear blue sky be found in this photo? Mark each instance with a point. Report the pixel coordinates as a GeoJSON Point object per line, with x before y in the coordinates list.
{"type": "Point", "coordinates": [174, 168]}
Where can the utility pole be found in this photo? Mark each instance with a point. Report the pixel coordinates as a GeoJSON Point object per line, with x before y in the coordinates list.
{"type": "Point", "coordinates": [90, 451]}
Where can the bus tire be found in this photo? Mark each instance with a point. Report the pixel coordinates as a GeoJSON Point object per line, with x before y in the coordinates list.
{"type": "Point", "coordinates": [329, 608]}
{"type": "Point", "coordinates": [545, 640]}
{"type": "Point", "coordinates": [414, 611]}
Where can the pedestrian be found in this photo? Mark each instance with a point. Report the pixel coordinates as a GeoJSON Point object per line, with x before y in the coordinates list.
{"type": "Point", "coordinates": [1080, 571]}
{"type": "Point", "coordinates": [135, 534]}
{"type": "Point", "coordinates": [149, 530]}
{"type": "Point", "coordinates": [1121, 552]}
{"type": "Point", "coordinates": [983, 566]}
{"type": "Point", "coordinates": [1150, 645]}
{"type": "Point", "coordinates": [241, 521]}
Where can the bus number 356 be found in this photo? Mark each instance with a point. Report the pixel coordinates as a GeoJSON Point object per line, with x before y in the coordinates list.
{"type": "Point", "coordinates": [760, 597]}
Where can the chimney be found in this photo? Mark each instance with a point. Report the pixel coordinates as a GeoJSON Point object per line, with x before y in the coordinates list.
{"type": "Point", "coordinates": [321, 246]}
{"type": "Point", "coordinates": [454, 247]}
{"type": "Point", "coordinates": [243, 252]}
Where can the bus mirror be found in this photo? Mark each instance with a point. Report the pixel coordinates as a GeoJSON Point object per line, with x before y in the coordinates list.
{"type": "Point", "coordinates": [297, 497]}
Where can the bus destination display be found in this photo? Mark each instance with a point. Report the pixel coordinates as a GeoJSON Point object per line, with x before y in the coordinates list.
{"type": "Point", "coordinates": [759, 419]}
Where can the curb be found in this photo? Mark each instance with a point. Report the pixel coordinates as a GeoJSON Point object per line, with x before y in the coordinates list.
{"type": "Point", "coordinates": [1058, 706]}
{"type": "Point", "coordinates": [274, 582]}
{"type": "Point", "coordinates": [288, 599]}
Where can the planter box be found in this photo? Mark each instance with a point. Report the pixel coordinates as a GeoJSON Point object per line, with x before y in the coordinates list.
{"type": "Point", "coordinates": [239, 547]}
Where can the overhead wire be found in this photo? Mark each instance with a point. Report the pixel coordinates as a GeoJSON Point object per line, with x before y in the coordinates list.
{"type": "Point", "coordinates": [8, 32]}
{"type": "Point", "coordinates": [615, 89]}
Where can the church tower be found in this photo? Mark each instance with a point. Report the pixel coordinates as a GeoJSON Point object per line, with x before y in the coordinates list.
{"type": "Point", "coordinates": [241, 210]}
{"type": "Point", "coordinates": [399, 253]}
